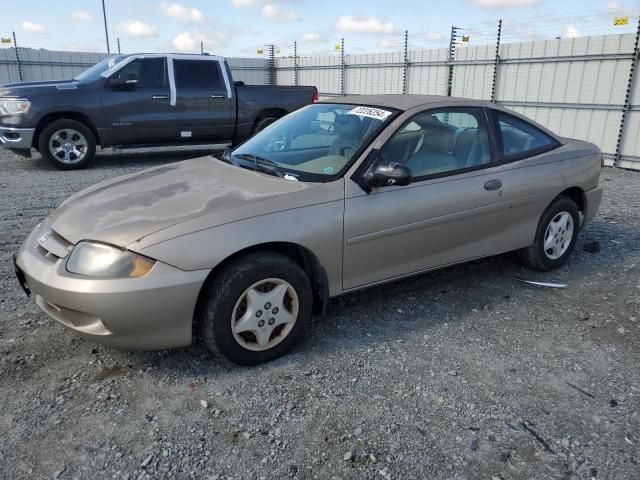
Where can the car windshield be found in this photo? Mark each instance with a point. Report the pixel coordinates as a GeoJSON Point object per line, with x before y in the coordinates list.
{"type": "Point", "coordinates": [316, 143]}
{"type": "Point", "coordinates": [92, 74]}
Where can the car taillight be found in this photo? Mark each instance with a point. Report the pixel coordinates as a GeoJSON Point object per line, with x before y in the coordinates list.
{"type": "Point", "coordinates": [316, 97]}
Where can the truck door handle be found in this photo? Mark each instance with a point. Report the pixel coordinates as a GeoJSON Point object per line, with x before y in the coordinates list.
{"type": "Point", "coordinates": [218, 96]}
{"type": "Point", "coordinates": [160, 97]}
{"type": "Point", "coordinates": [493, 184]}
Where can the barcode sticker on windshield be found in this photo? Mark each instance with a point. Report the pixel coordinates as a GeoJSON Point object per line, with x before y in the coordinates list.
{"type": "Point", "coordinates": [371, 112]}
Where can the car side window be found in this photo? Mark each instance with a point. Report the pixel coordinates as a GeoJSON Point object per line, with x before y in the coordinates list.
{"type": "Point", "coordinates": [198, 75]}
{"type": "Point", "coordinates": [442, 141]}
{"type": "Point", "coordinates": [148, 72]}
{"type": "Point", "coordinates": [519, 138]}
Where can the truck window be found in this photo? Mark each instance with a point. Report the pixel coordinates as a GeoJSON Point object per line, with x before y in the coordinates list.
{"type": "Point", "coordinates": [198, 74]}
{"type": "Point", "coordinates": [149, 72]}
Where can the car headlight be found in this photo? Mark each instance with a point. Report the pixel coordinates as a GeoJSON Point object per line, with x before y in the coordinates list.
{"type": "Point", "coordinates": [14, 106]}
{"type": "Point", "coordinates": [95, 259]}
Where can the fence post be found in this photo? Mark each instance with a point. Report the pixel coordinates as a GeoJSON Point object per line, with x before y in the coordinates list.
{"type": "Point", "coordinates": [15, 46]}
{"type": "Point", "coordinates": [295, 63]}
{"type": "Point", "coordinates": [201, 48]}
{"type": "Point", "coordinates": [272, 64]}
{"type": "Point", "coordinates": [342, 67]}
{"type": "Point", "coordinates": [496, 62]}
{"type": "Point", "coordinates": [452, 56]}
{"type": "Point", "coordinates": [406, 62]}
{"type": "Point", "coordinates": [118, 42]}
{"type": "Point", "coordinates": [627, 99]}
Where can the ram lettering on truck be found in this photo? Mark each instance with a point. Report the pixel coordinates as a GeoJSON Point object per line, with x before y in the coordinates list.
{"type": "Point", "coordinates": [139, 100]}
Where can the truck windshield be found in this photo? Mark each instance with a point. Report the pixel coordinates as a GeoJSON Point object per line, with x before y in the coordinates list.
{"type": "Point", "coordinates": [93, 73]}
{"type": "Point", "coordinates": [317, 143]}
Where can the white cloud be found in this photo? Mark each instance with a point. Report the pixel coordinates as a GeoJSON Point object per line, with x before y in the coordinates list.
{"type": "Point", "coordinates": [136, 28]}
{"type": "Point", "coordinates": [496, 4]}
{"type": "Point", "coordinates": [33, 27]}
{"type": "Point", "coordinates": [612, 5]}
{"type": "Point", "coordinates": [434, 36]}
{"type": "Point", "coordinates": [571, 32]}
{"type": "Point", "coordinates": [272, 12]}
{"type": "Point", "coordinates": [311, 37]}
{"type": "Point", "coordinates": [190, 42]}
{"type": "Point", "coordinates": [180, 12]}
{"type": "Point", "coordinates": [243, 3]}
{"type": "Point", "coordinates": [82, 16]}
{"type": "Point", "coordinates": [352, 24]}
{"type": "Point", "coordinates": [390, 43]}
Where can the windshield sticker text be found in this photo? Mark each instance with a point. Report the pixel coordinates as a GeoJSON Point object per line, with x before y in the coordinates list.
{"type": "Point", "coordinates": [370, 112]}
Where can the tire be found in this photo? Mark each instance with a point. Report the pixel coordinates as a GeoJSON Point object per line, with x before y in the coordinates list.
{"type": "Point", "coordinates": [224, 301]}
{"type": "Point", "coordinates": [263, 123]}
{"type": "Point", "coordinates": [67, 144]}
{"type": "Point", "coordinates": [561, 245]}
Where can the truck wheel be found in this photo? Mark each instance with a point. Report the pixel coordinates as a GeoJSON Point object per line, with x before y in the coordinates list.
{"type": "Point", "coordinates": [555, 237]}
{"type": "Point", "coordinates": [67, 144]}
{"type": "Point", "coordinates": [263, 123]}
{"type": "Point", "coordinates": [255, 309]}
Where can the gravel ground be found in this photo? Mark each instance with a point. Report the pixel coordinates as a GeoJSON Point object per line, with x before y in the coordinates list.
{"type": "Point", "coordinates": [460, 374]}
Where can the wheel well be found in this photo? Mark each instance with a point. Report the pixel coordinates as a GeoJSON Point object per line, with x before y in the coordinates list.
{"type": "Point", "coordinates": [51, 117]}
{"type": "Point", "coordinates": [300, 255]}
{"type": "Point", "coordinates": [577, 195]}
{"type": "Point", "coordinates": [269, 112]}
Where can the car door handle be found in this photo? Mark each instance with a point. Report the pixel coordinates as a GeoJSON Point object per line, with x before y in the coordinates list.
{"type": "Point", "coordinates": [218, 96]}
{"type": "Point", "coordinates": [160, 97]}
{"type": "Point", "coordinates": [493, 185]}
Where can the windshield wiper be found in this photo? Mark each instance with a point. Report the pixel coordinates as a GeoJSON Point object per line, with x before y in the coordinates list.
{"type": "Point", "coordinates": [261, 164]}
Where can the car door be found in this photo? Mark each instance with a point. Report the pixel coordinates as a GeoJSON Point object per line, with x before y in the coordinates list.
{"type": "Point", "coordinates": [452, 211]}
{"type": "Point", "coordinates": [136, 103]}
{"type": "Point", "coordinates": [204, 99]}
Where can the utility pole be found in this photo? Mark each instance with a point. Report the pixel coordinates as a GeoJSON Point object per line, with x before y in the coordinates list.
{"type": "Point", "coordinates": [452, 56]}
{"type": "Point", "coordinates": [106, 31]}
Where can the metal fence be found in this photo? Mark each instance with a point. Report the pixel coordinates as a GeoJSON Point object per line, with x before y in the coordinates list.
{"type": "Point", "coordinates": [28, 64]}
{"type": "Point", "coordinates": [584, 87]}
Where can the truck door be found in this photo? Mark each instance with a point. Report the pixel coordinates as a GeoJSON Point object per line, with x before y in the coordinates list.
{"type": "Point", "coordinates": [204, 100]}
{"type": "Point", "coordinates": [136, 103]}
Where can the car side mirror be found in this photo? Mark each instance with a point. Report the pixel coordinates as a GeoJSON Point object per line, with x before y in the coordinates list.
{"type": "Point", "coordinates": [239, 83]}
{"type": "Point", "coordinates": [384, 173]}
{"type": "Point", "coordinates": [121, 84]}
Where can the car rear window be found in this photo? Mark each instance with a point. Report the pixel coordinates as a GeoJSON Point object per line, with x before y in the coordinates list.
{"type": "Point", "coordinates": [198, 74]}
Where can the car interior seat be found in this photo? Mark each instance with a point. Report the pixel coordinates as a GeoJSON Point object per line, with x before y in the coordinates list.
{"type": "Point", "coordinates": [349, 133]}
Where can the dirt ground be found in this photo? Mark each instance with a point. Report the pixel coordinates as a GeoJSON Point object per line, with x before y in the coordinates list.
{"type": "Point", "coordinates": [464, 373]}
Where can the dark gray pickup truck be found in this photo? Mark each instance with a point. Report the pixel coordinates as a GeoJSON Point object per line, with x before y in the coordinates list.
{"type": "Point", "coordinates": [139, 100]}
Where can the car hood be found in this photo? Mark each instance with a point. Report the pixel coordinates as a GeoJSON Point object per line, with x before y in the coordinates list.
{"type": "Point", "coordinates": [126, 209]}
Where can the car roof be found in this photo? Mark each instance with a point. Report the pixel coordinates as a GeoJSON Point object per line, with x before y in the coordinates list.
{"type": "Point", "coordinates": [405, 101]}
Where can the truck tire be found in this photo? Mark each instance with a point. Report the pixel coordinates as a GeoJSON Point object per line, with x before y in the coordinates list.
{"type": "Point", "coordinates": [263, 123]}
{"type": "Point", "coordinates": [67, 144]}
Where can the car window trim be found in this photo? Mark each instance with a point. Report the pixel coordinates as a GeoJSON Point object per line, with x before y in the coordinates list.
{"type": "Point", "coordinates": [504, 159]}
{"type": "Point", "coordinates": [362, 169]}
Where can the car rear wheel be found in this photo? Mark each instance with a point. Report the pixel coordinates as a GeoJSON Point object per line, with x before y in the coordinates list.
{"type": "Point", "coordinates": [67, 144]}
{"type": "Point", "coordinates": [263, 123]}
{"type": "Point", "coordinates": [556, 236]}
{"type": "Point", "coordinates": [255, 309]}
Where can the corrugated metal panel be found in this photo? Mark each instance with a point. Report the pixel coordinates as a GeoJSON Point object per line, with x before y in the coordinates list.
{"type": "Point", "coordinates": [252, 71]}
{"type": "Point", "coordinates": [427, 79]}
{"type": "Point", "coordinates": [373, 73]}
{"type": "Point", "coordinates": [473, 81]}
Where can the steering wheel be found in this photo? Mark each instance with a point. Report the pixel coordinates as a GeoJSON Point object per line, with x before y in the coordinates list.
{"type": "Point", "coordinates": [331, 129]}
{"type": "Point", "coordinates": [278, 143]}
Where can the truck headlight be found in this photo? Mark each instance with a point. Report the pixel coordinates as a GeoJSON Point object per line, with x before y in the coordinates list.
{"type": "Point", "coordinates": [95, 259]}
{"type": "Point", "coordinates": [14, 106]}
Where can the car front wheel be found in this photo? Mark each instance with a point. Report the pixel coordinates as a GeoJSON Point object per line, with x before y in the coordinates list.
{"type": "Point", "coordinates": [255, 309]}
{"type": "Point", "coordinates": [556, 236]}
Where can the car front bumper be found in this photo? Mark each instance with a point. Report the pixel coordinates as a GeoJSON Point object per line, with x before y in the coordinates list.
{"type": "Point", "coordinates": [153, 312]}
{"type": "Point", "coordinates": [16, 138]}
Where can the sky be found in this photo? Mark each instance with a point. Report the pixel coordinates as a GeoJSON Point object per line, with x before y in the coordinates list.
{"type": "Point", "coordinates": [244, 27]}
